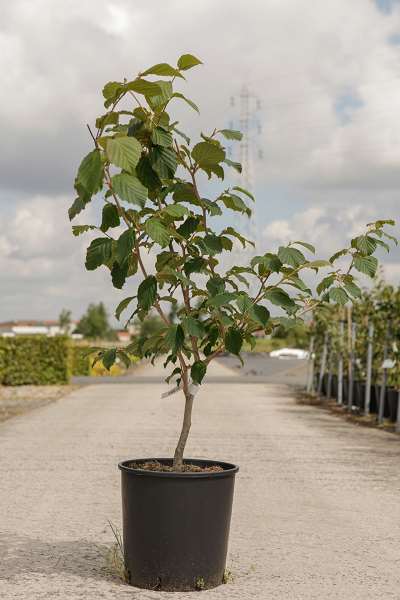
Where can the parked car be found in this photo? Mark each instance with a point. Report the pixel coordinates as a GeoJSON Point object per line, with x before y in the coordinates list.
{"type": "Point", "coordinates": [289, 353]}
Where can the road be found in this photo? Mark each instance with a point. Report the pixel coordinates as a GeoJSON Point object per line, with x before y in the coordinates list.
{"type": "Point", "coordinates": [316, 510]}
{"type": "Point", "coordinates": [258, 368]}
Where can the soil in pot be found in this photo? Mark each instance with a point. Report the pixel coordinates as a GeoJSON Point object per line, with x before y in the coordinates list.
{"type": "Point", "coordinates": [176, 524]}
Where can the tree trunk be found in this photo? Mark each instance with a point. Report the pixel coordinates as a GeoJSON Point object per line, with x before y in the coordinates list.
{"type": "Point", "coordinates": [187, 421]}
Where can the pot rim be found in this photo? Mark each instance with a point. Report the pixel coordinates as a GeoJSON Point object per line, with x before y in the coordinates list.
{"type": "Point", "coordinates": [229, 469]}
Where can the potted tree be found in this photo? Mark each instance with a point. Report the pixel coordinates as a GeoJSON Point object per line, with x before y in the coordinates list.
{"type": "Point", "coordinates": [176, 510]}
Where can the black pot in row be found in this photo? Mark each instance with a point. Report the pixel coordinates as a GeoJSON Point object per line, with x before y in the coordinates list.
{"type": "Point", "coordinates": [358, 398]}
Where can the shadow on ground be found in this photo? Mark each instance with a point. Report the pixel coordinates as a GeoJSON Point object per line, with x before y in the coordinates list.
{"type": "Point", "coordinates": [22, 555]}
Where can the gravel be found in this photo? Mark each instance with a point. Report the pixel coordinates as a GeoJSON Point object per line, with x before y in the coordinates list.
{"type": "Point", "coordinates": [20, 399]}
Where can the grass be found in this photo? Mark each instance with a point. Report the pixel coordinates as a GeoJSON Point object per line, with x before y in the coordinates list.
{"type": "Point", "coordinates": [116, 562]}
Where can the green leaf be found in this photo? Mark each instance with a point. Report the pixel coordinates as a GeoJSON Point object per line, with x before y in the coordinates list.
{"type": "Point", "coordinates": [206, 154]}
{"type": "Point", "coordinates": [147, 292]}
{"type": "Point", "coordinates": [122, 306]}
{"type": "Point", "coordinates": [366, 264]}
{"type": "Point", "coordinates": [123, 152]}
{"type": "Point", "coordinates": [119, 273]}
{"type": "Point", "coordinates": [129, 189]}
{"type": "Point", "coordinates": [337, 294]}
{"type": "Point", "coordinates": [159, 102]}
{"type": "Point", "coordinates": [260, 314]}
{"type": "Point", "coordinates": [233, 340]}
{"type": "Point", "coordinates": [125, 245]}
{"type": "Point", "coordinates": [188, 227]}
{"type": "Point", "coordinates": [280, 297]}
{"type": "Point", "coordinates": [227, 244]}
{"type": "Point", "coordinates": [177, 211]}
{"type": "Point", "coordinates": [109, 357]}
{"type": "Point", "coordinates": [231, 134]}
{"type": "Point", "coordinates": [163, 161]}
{"type": "Point", "coordinates": [163, 70]}
{"type": "Point", "coordinates": [213, 244]}
{"type": "Point", "coordinates": [230, 231]}
{"type": "Point", "coordinates": [194, 265]}
{"type": "Point", "coordinates": [157, 231]}
{"type": "Point", "coordinates": [146, 174]}
{"type": "Point", "coordinates": [244, 191]}
{"type": "Point", "coordinates": [78, 229]}
{"type": "Point", "coordinates": [112, 90]}
{"type": "Point", "coordinates": [317, 264]}
{"type": "Point", "coordinates": [215, 285]}
{"type": "Point", "coordinates": [309, 247]}
{"type": "Point", "coordinates": [338, 255]}
{"type": "Point", "coordinates": [110, 217]}
{"type": "Point", "coordinates": [235, 203]}
{"type": "Point", "coordinates": [78, 205]}
{"type": "Point", "coordinates": [325, 283]}
{"type": "Point", "coordinates": [235, 165]}
{"type": "Point", "coordinates": [189, 102]}
{"type": "Point", "coordinates": [212, 208]}
{"type": "Point", "coordinates": [198, 371]}
{"type": "Point", "coordinates": [184, 192]}
{"type": "Point", "coordinates": [291, 256]}
{"type": "Point", "coordinates": [142, 86]}
{"type": "Point", "coordinates": [90, 172]}
{"type": "Point", "coordinates": [98, 253]}
{"type": "Point", "coordinates": [110, 118]}
{"type": "Point", "coordinates": [188, 61]}
{"type": "Point", "coordinates": [365, 244]}
{"type": "Point", "coordinates": [268, 262]}
{"type": "Point", "coordinates": [194, 327]}
{"type": "Point", "coordinates": [160, 137]}
{"type": "Point", "coordinates": [175, 337]}
{"type": "Point", "coordinates": [244, 302]}
{"type": "Point", "coordinates": [353, 289]}
{"type": "Point", "coordinates": [221, 299]}
{"type": "Point", "coordinates": [124, 357]}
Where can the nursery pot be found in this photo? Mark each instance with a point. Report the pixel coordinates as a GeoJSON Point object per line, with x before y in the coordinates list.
{"type": "Point", "coordinates": [176, 525]}
{"type": "Point", "coordinates": [392, 397]}
{"type": "Point", "coordinates": [373, 406]}
{"type": "Point", "coordinates": [334, 386]}
{"type": "Point", "coordinates": [359, 394]}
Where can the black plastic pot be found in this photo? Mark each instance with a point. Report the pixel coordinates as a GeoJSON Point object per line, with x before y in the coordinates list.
{"type": "Point", "coordinates": [385, 400]}
{"type": "Point", "coordinates": [334, 386]}
{"type": "Point", "coordinates": [345, 393]}
{"type": "Point", "coordinates": [176, 525]}
{"type": "Point", "coordinates": [392, 397]}
{"type": "Point", "coordinates": [359, 395]}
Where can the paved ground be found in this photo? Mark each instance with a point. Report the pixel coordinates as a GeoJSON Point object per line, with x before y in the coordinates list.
{"type": "Point", "coordinates": [258, 368]}
{"type": "Point", "coordinates": [316, 513]}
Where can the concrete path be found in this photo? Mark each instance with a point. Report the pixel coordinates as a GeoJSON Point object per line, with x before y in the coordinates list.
{"type": "Point", "coordinates": [258, 368]}
{"type": "Point", "coordinates": [317, 504]}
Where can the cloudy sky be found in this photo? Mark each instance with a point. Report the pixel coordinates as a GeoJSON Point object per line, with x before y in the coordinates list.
{"type": "Point", "coordinates": [324, 85]}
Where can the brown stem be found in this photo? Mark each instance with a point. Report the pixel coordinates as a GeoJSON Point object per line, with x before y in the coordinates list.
{"type": "Point", "coordinates": [187, 421]}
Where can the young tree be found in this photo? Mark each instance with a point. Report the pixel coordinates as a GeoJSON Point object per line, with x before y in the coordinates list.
{"type": "Point", "coordinates": [94, 323]}
{"type": "Point", "coordinates": [65, 320]}
{"type": "Point", "coordinates": [149, 174]}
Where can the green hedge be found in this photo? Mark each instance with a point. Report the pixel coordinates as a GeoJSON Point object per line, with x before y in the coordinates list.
{"type": "Point", "coordinates": [35, 360]}
{"type": "Point", "coordinates": [80, 361]}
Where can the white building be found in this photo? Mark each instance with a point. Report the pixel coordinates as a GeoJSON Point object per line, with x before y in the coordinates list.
{"type": "Point", "coordinates": [49, 328]}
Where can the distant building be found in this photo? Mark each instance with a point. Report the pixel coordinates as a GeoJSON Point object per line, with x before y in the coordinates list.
{"type": "Point", "coordinates": [123, 335]}
{"type": "Point", "coordinates": [31, 327]}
